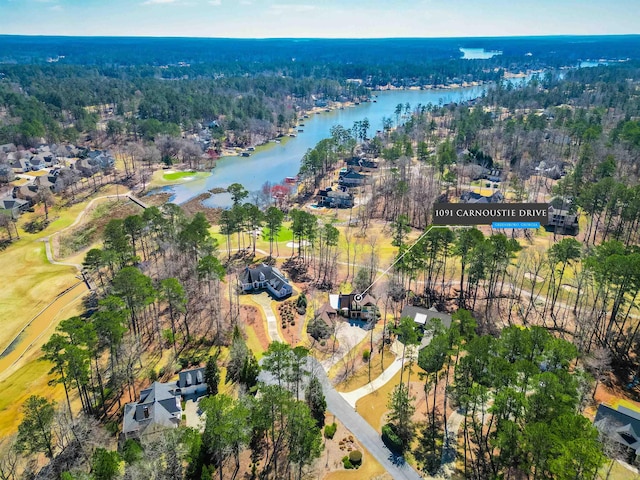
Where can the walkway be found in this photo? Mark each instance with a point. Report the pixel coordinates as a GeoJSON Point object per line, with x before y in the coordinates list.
{"type": "Point", "coordinates": [355, 395]}
{"type": "Point", "coordinates": [264, 300]}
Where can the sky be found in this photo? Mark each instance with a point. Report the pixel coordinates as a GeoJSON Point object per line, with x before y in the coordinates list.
{"type": "Point", "coordinates": [319, 18]}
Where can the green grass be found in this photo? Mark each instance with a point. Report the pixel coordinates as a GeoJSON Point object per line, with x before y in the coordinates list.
{"type": "Point", "coordinates": [284, 235]}
{"type": "Point", "coordinates": [178, 175]}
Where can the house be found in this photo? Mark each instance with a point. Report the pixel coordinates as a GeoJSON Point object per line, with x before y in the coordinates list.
{"type": "Point", "coordinates": [53, 182]}
{"type": "Point", "coordinates": [157, 409]}
{"type": "Point", "coordinates": [361, 164]}
{"type": "Point", "coordinates": [622, 425]}
{"type": "Point", "coordinates": [6, 174]}
{"type": "Point", "coordinates": [563, 221]}
{"type": "Point", "coordinates": [334, 198]}
{"type": "Point", "coordinates": [473, 197]}
{"type": "Point", "coordinates": [327, 313]}
{"type": "Point", "coordinates": [365, 309]}
{"type": "Point", "coordinates": [352, 179]}
{"type": "Point", "coordinates": [7, 147]}
{"type": "Point", "coordinates": [422, 316]}
{"type": "Point", "coordinates": [20, 165]}
{"type": "Point", "coordinates": [13, 206]}
{"type": "Point", "coordinates": [264, 276]}
{"type": "Point", "coordinates": [493, 175]}
{"type": "Point", "coordinates": [159, 406]}
{"type": "Point", "coordinates": [192, 383]}
{"type": "Point", "coordinates": [27, 192]}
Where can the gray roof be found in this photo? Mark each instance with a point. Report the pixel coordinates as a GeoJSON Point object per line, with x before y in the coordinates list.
{"type": "Point", "coordinates": [158, 405]}
{"type": "Point", "coordinates": [622, 425]}
{"type": "Point", "coordinates": [191, 377]}
{"type": "Point", "coordinates": [423, 315]}
{"type": "Point", "coordinates": [10, 203]}
{"type": "Point", "coordinates": [262, 273]}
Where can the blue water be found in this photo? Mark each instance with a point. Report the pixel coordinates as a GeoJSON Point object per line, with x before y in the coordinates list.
{"type": "Point", "coordinates": [478, 53]}
{"type": "Point", "coordinates": [283, 159]}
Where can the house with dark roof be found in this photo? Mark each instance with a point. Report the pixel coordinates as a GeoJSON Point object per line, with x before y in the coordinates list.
{"type": "Point", "coordinates": [159, 406]}
{"type": "Point", "coordinates": [351, 178]}
{"type": "Point", "coordinates": [365, 309]}
{"type": "Point", "coordinates": [473, 197]}
{"type": "Point", "coordinates": [622, 425]}
{"type": "Point", "coordinates": [563, 221]}
{"type": "Point", "coordinates": [361, 164]}
{"type": "Point", "coordinates": [191, 383]}
{"type": "Point", "coordinates": [423, 316]}
{"type": "Point", "coordinates": [334, 198]}
{"type": "Point", "coordinates": [265, 277]}
{"type": "Point", "coordinates": [13, 206]}
{"type": "Point", "coordinates": [157, 409]}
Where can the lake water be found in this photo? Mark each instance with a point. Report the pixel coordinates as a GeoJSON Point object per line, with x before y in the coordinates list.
{"type": "Point", "coordinates": [283, 160]}
{"type": "Point", "coordinates": [478, 53]}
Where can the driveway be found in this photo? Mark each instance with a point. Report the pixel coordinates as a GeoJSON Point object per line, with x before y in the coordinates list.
{"type": "Point", "coordinates": [366, 435]}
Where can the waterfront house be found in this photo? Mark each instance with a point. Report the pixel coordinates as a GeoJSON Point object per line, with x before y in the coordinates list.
{"type": "Point", "coordinates": [361, 164]}
{"type": "Point", "coordinates": [334, 198]}
{"type": "Point", "coordinates": [351, 178]}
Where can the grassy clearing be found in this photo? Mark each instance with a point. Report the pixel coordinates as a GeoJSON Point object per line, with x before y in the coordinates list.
{"type": "Point", "coordinates": [361, 377]}
{"type": "Point", "coordinates": [284, 235]}
{"type": "Point", "coordinates": [372, 407]}
{"type": "Point", "coordinates": [178, 176]}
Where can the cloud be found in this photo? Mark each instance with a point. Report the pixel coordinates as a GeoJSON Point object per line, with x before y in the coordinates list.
{"type": "Point", "coordinates": [246, 2]}
{"type": "Point", "coordinates": [215, 3]}
{"type": "Point", "coordinates": [56, 8]}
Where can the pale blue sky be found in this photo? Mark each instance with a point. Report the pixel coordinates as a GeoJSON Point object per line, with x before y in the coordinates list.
{"type": "Point", "coordinates": [319, 18]}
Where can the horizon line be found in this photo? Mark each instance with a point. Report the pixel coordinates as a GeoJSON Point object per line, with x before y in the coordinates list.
{"type": "Point", "coordinates": [558, 35]}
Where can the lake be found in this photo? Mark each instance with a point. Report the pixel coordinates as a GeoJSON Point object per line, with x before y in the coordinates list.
{"type": "Point", "coordinates": [478, 53]}
{"type": "Point", "coordinates": [283, 160]}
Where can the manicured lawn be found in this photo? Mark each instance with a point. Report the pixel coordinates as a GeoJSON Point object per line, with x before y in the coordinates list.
{"type": "Point", "coordinates": [284, 235]}
{"type": "Point", "coordinates": [178, 175]}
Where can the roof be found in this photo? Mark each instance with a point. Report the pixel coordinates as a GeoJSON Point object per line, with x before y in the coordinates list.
{"type": "Point", "coordinates": [191, 377]}
{"type": "Point", "coordinates": [347, 300]}
{"type": "Point", "coordinates": [352, 175]}
{"type": "Point", "coordinates": [473, 197]}
{"type": "Point", "coordinates": [10, 203]}
{"type": "Point", "coordinates": [623, 425]}
{"type": "Point", "coordinates": [423, 315]}
{"type": "Point", "coordinates": [158, 405]}
{"type": "Point", "coordinates": [262, 273]}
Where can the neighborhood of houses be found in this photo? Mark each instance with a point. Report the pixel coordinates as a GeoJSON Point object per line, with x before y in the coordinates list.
{"type": "Point", "coordinates": [24, 174]}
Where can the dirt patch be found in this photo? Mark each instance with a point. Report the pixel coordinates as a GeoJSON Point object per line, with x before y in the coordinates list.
{"type": "Point", "coordinates": [253, 319]}
{"type": "Point", "coordinates": [195, 205]}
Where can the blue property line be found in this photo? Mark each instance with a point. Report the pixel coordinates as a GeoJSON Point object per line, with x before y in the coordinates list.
{"type": "Point", "coordinates": [515, 225]}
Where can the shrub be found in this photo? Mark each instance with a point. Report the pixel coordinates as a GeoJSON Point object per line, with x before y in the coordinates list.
{"type": "Point", "coordinates": [330, 430]}
{"type": "Point", "coordinates": [355, 457]}
{"type": "Point", "coordinates": [366, 355]}
{"type": "Point", "coordinates": [391, 439]}
{"type": "Point", "coordinates": [347, 463]}
{"type": "Point", "coordinates": [318, 329]}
